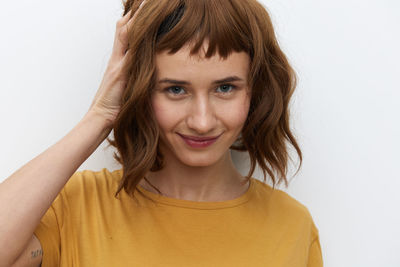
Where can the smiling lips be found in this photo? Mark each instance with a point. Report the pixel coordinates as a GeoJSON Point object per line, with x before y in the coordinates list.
{"type": "Point", "coordinates": [199, 142]}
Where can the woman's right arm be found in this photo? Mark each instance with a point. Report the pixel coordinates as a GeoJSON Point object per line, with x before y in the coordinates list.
{"type": "Point", "coordinates": [27, 194]}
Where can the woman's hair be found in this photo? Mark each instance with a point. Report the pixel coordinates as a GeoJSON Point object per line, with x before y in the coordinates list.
{"type": "Point", "coordinates": [228, 25]}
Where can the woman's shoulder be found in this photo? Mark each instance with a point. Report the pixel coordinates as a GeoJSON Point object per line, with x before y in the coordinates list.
{"type": "Point", "coordinates": [283, 210]}
{"type": "Point", "coordinates": [102, 181]}
{"type": "Point", "coordinates": [279, 201]}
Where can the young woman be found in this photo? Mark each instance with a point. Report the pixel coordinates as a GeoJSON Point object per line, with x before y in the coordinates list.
{"type": "Point", "coordinates": [188, 80]}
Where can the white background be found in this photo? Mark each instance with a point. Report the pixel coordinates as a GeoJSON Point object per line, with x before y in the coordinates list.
{"type": "Point", "coordinates": [345, 112]}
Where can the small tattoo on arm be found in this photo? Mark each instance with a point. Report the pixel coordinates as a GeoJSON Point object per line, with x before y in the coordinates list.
{"type": "Point", "coordinates": [36, 253]}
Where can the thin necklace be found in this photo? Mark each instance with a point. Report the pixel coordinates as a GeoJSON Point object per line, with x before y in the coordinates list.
{"type": "Point", "coordinates": [153, 186]}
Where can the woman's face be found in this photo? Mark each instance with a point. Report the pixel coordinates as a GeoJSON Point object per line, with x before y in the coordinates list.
{"type": "Point", "coordinates": [203, 98]}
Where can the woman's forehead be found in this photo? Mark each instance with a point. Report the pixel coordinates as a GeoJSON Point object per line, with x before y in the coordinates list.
{"type": "Point", "coordinates": [184, 59]}
{"type": "Point", "coordinates": [185, 65]}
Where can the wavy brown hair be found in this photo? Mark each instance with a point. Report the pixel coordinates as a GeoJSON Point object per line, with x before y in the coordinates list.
{"type": "Point", "coordinates": [229, 25]}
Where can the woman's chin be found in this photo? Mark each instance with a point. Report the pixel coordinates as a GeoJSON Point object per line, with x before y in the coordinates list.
{"type": "Point", "coordinates": [204, 160]}
{"type": "Point", "coordinates": [198, 163]}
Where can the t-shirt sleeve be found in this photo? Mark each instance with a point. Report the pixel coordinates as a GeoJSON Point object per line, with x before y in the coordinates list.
{"type": "Point", "coordinates": [49, 230]}
{"type": "Point", "coordinates": [48, 233]}
{"type": "Point", "coordinates": [315, 254]}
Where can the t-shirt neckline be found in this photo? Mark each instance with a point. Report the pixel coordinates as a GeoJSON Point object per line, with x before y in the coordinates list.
{"type": "Point", "coordinates": [200, 204]}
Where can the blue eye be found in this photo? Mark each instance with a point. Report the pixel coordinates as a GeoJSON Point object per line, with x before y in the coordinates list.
{"type": "Point", "coordinates": [225, 88]}
{"type": "Point", "coordinates": [174, 90]}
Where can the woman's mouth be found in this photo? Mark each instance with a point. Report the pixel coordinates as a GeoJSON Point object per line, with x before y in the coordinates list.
{"type": "Point", "coordinates": [199, 142]}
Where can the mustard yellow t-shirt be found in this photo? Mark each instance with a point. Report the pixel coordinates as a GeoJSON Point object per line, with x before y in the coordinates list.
{"type": "Point", "coordinates": [87, 226]}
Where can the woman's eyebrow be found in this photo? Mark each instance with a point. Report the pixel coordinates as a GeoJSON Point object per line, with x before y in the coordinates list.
{"type": "Point", "coordinates": [180, 82]}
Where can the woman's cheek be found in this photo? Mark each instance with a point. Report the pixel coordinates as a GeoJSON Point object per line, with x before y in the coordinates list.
{"type": "Point", "coordinates": [235, 112]}
{"type": "Point", "coordinates": [166, 112]}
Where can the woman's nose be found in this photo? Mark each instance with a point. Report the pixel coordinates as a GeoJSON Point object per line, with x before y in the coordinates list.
{"type": "Point", "coordinates": [201, 115]}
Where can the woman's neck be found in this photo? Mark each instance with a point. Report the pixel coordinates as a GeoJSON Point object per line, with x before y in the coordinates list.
{"type": "Point", "coordinates": [219, 182]}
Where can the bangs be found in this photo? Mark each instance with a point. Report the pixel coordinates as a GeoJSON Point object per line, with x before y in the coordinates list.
{"type": "Point", "coordinates": [194, 21]}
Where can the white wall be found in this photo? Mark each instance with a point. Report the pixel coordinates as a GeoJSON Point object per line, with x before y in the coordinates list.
{"type": "Point", "coordinates": [346, 53]}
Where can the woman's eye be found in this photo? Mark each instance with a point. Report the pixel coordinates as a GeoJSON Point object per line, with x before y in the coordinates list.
{"type": "Point", "coordinates": [174, 90]}
{"type": "Point", "coordinates": [227, 88]}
